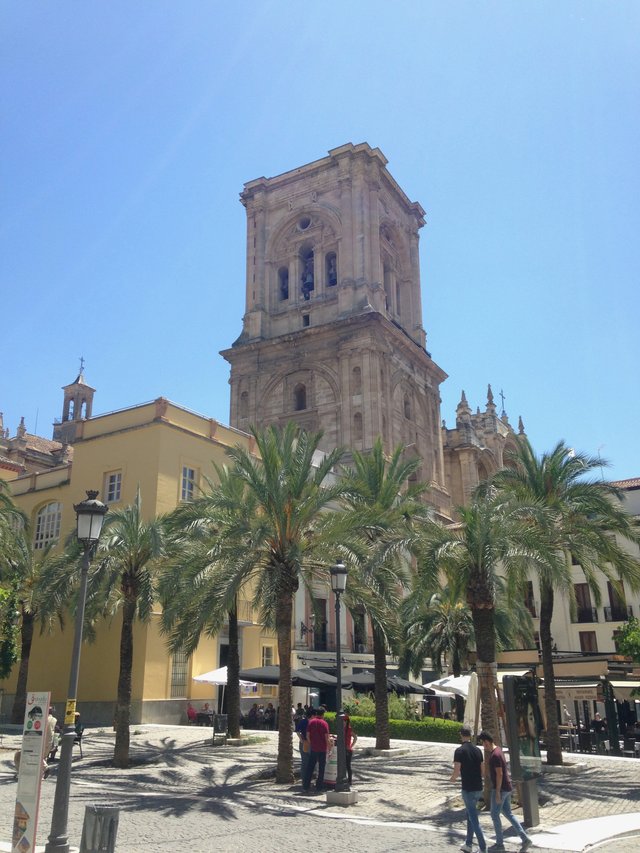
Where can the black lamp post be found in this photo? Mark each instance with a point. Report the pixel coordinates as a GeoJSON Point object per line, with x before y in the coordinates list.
{"type": "Point", "coordinates": [89, 515]}
{"type": "Point", "coordinates": [338, 585]}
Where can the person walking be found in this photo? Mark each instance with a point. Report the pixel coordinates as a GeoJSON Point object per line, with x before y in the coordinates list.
{"type": "Point", "coordinates": [319, 743]}
{"type": "Point", "coordinates": [467, 766]}
{"type": "Point", "coordinates": [302, 723]}
{"type": "Point", "coordinates": [350, 738]}
{"type": "Point", "coordinates": [501, 791]}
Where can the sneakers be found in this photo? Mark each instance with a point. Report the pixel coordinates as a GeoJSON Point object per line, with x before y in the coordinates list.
{"type": "Point", "coordinates": [526, 845]}
{"type": "Point", "coordinates": [497, 848]}
{"type": "Point", "coordinates": [467, 848]}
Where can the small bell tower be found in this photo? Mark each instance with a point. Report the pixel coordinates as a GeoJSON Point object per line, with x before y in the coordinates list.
{"type": "Point", "coordinates": [76, 407]}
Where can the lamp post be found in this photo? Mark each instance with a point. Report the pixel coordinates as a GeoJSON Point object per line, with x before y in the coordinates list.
{"type": "Point", "coordinates": [338, 585]}
{"type": "Point", "coordinates": [89, 517]}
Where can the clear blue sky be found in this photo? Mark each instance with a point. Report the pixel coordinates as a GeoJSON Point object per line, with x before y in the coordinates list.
{"type": "Point", "coordinates": [129, 129]}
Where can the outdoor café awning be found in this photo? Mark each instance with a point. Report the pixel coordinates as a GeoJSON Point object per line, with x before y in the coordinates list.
{"type": "Point", "coordinates": [577, 691]}
{"type": "Point", "coordinates": [622, 690]}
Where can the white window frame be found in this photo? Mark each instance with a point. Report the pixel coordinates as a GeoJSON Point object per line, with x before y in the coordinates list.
{"type": "Point", "coordinates": [267, 655]}
{"type": "Point", "coordinates": [188, 483]}
{"type": "Point", "coordinates": [47, 526]}
{"type": "Point", "coordinates": [112, 478]}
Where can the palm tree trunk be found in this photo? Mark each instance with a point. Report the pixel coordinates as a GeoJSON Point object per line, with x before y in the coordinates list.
{"type": "Point", "coordinates": [123, 705]}
{"type": "Point", "coordinates": [381, 694]}
{"type": "Point", "coordinates": [484, 628]}
{"type": "Point", "coordinates": [233, 676]}
{"type": "Point", "coordinates": [284, 611]}
{"type": "Point", "coordinates": [457, 670]}
{"type": "Point", "coordinates": [26, 639]}
{"type": "Point", "coordinates": [554, 748]}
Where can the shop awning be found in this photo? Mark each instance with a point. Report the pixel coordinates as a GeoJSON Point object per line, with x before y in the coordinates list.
{"type": "Point", "coordinates": [578, 691]}
{"type": "Point", "coordinates": [622, 690]}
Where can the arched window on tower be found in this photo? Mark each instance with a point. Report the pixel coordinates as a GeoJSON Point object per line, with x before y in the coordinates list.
{"type": "Point", "coordinates": [299, 398]}
{"type": "Point", "coordinates": [307, 272]}
{"type": "Point", "coordinates": [331, 262]}
{"type": "Point", "coordinates": [357, 427]}
{"type": "Point", "coordinates": [283, 283]}
{"type": "Point", "coordinates": [388, 284]}
{"type": "Point", "coordinates": [71, 410]}
{"type": "Point", "coordinates": [83, 410]}
{"type": "Point", "coordinates": [407, 407]}
{"type": "Point", "coordinates": [356, 380]}
{"type": "Point", "coordinates": [244, 404]}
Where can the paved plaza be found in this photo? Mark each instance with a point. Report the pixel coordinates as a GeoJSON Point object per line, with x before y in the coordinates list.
{"type": "Point", "coordinates": [183, 794]}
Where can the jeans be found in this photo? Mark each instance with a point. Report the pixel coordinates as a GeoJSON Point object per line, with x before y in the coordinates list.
{"type": "Point", "coordinates": [470, 799]}
{"type": "Point", "coordinates": [304, 758]}
{"type": "Point", "coordinates": [321, 759]}
{"type": "Point", "coordinates": [504, 807]}
{"type": "Point", "coordinates": [349, 756]}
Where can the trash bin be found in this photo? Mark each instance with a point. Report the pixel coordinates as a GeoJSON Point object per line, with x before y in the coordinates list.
{"type": "Point", "coordinates": [99, 829]}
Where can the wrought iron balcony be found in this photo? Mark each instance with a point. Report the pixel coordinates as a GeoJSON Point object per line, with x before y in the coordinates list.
{"type": "Point", "coordinates": [618, 614]}
{"type": "Point", "coordinates": [586, 614]}
{"type": "Point", "coordinates": [322, 642]}
{"type": "Point", "coordinates": [361, 646]}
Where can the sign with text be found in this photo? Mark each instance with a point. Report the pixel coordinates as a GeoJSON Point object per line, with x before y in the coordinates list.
{"type": "Point", "coordinates": [25, 818]}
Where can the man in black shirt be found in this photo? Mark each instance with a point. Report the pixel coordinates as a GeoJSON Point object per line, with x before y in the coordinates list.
{"type": "Point", "coordinates": [467, 764]}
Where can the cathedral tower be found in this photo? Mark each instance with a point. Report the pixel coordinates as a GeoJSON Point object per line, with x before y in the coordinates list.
{"type": "Point", "coordinates": [332, 335]}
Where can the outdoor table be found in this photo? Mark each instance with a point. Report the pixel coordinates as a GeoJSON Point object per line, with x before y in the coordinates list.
{"type": "Point", "coordinates": [204, 718]}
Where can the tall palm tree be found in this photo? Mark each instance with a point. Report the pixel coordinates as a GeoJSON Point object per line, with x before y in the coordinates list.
{"type": "Point", "coordinates": [205, 537]}
{"type": "Point", "coordinates": [288, 493]}
{"type": "Point", "coordinates": [580, 518]}
{"type": "Point", "coordinates": [123, 576]}
{"type": "Point", "coordinates": [490, 540]}
{"type": "Point", "coordinates": [379, 488]}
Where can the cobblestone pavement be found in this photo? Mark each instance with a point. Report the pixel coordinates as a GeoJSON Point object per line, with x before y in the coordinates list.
{"type": "Point", "coordinates": [180, 786]}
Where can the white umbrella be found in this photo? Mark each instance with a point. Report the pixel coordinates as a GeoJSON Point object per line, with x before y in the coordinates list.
{"type": "Point", "coordinates": [219, 676]}
{"type": "Point", "coordinates": [472, 708]}
{"type": "Point", "coordinates": [451, 685]}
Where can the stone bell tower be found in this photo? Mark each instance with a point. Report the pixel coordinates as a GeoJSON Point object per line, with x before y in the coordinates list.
{"type": "Point", "coordinates": [332, 334]}
{"type": "Point", "coordinates": [76, 406]}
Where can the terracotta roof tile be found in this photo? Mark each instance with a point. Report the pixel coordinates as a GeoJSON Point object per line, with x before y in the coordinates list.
{"type": "Point", "coordinates": [632, 483]}
{"type": "Point", "coordinates": [43, 445]}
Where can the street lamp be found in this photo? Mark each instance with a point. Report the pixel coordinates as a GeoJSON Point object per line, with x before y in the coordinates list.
{"type": "Point", "coordinates": [338, 585]}
{"type": "Point", "coordinates": [89, 517]}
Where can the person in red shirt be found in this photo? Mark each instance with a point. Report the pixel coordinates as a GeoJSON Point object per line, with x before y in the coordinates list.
{"type": "Point", "coordinates": [318, 737]}
{"type": "Point", "coordinates": [501, 791]}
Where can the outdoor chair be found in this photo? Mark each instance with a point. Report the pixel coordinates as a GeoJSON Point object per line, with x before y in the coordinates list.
{"type": "Point", "coordinates": [629, 747]}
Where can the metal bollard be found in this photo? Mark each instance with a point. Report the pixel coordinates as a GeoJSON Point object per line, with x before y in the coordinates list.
{"type": "Point", "coordinates": [99, 829]}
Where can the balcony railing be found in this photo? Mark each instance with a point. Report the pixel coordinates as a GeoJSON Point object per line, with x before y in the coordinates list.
{"type": "Point", "coordinates": [618, 614]}
{"type": "Point", "coordinates": [322, 643]}
{"type": "Point", "coordinates": [360, 646]}
{"type": "Point", "coordinates": [586, 614]}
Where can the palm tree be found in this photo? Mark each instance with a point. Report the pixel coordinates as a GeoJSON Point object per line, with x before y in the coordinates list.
{"type": "Point", "coordinates": [204, 543]}
{"type": "Point", "coordinates": [26, 570]}
{"type": "Point", "coordinates": [490, 540]}
{"type": "Point", "coordinates": [123, 577]}
{"type": "Point", "coordinates": [380, 489]}
{"type": "Point", "coordinates": [285, 518]}
{"type": "Point", "coordinates": [439, 626]}
{"type": "Point", "coordinates": [580, 518]}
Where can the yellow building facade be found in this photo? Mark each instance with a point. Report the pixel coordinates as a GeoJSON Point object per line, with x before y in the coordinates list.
{"type": "Point", "coordinates": [167, 451]}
